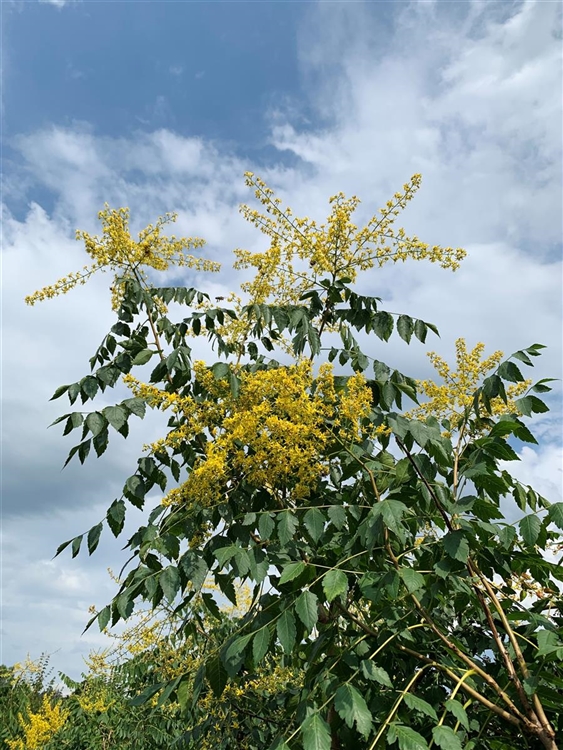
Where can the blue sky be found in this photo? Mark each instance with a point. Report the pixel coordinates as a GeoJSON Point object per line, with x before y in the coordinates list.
{"type": "Point", "coordinates": [163, 106]}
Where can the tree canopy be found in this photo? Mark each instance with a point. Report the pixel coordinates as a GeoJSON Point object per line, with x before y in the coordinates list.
{"type": "Point", "coordinates": [391, 601]}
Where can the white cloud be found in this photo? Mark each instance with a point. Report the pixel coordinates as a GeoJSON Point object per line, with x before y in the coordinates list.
{"type": "Point", "coordinates": [56, 3]}
{"type": "Point", "coordinates": [541, 467]}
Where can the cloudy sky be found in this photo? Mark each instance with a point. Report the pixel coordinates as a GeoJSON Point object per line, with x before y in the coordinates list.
{"type": "Point", "coordinates": [163, 107]}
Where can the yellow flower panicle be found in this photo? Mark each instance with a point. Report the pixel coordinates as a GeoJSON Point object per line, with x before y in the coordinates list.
{"type": "Point", "coordinates": [38, 728]}
{"type": "Point", "coordinates": [450, 399]}
{"type": "Point", "coordinates": [336, 248]}
{"type": "Point", "coordinates": [275, 433]}
{"type": "Point", "coordinates": [95, 697]}
{"type": "Point", "coordinates": [126, 257]}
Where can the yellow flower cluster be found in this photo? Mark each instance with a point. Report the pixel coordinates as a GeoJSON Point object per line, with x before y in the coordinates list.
{"type": "Point", "coordinates": [337, 248]}
{"type": "Point", "coordinates": [127, 257]}
{"type": "Point", "coordinates": [27, 669]}
{"type": "Point", "coordinates": [38, 728]}
{"type": "Point", "coordinates": [95, 698]}
{"type": "Point", "coordinates": [274, 433]}
{"type": "Point", "coordinates": [450, 399]}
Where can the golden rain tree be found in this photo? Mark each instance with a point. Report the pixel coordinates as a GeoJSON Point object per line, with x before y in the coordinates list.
{"type": "Point", "coordinates": [384, 575]}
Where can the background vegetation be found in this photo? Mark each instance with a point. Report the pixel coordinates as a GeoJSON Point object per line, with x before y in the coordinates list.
{"type": "Point", "coordinates": [381, 592]}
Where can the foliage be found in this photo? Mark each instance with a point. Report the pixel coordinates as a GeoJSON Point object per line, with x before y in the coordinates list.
{"type": "Point", "coordinates": [384, 572]}
{"type": "Point", "coordinates": [29, 705]}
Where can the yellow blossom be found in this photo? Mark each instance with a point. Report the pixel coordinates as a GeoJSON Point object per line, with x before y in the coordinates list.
{"type": "Point", "coordinates": [450, 399]}
{"type": "Point", "coordinates": [38, 728]}
{"type": "Point", "coordinates": [275, 433]}
{"type": "Point", "coordinates": [126, 257]}
{"type": "Point", "coordinates": [302, 252]}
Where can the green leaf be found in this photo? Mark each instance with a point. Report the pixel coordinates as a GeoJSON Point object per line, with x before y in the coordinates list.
{"type": "Point", "coordinates": [115, 415]}
{"type": "Point", "coordinates": [547, 641]}
{"type": "Point", "coordinates": [84, 450]}
{"type": "Point", "coordinates": [211, 605]}
{"type": "Point", "coordinates": [220, 370]}
{"type": "Point", "coordinates": [392, 513]}
{"type": "Point", "coordinates": [265, 525]}
{"type": "Point", "coordinates": [555, 514]}
{"type": "Point", "coordinates": [95, 422]}
{"type": "Point", "coordinates": [234, 383]}
{"type": "Point", "coordinates": [136, 406]}
{"type": "Point", "coordinates": [412, 579]}
{"type": "Point", "coordinates": [307, 608]}
{"type": "Point", "coordinates": [509, 371]}
{"type": "Point", "coordinates": [124, 604]}
{"type": "Point", "coordinates": [337, 516]}
{"type": "Point", "coordinates": [62, 547]}
{"type": "Point", "coordinates": [446, 738]}
{"type": "Point", "coordinates": [316, 733]}
{"type": "Point", "coordinates": [540, 386]}
{"type": "Point", "coordinates": [377, 674]}
{"type": "Point", "coordinates": [116, 516]}
{"type": "Point", "coordinates": [408, 739]}
{"type": "Point", "coordinates": [235, 652]}
{"type": "Point", "coordinates": [456, 708]}
{"type": "Point", "coordinates": [103, 617]}
{"type": "Point", "coordinates": [260, 644]}
{"type": "Point", "coordinates": [287, 526]}
{"type": "Point", "coordinates": [89, 386]}
{"type": "Point", "coordinates": [405, 327]}
{"type": "Point", "coordinates": [530, 527]}
{"type": "Point", "coordinates": [216, 675]}
{"type": "Point", "coordinates": [351, 707]}
{"type": "Point", "coordinates": [169, 581]}
{"type": "Point", "coordinates": [286, 631]}
{"type": "Point", "coordinates": [418, 704]}
{"type": "Point", "coordinates": [419, 431]}
{"type": "Point", "coordinates": [143, 697]}
{"type": "Point", "coordinates": [291, 571]}
{"type": "Point", "coordinates": [383, 325]}
{"type": "Point", "coordinates": [420, 330]}
{"type": "Point", "coordinates": [76, 542]}
{"type": "Point", "coordinates": [522, 357]}
{"type": "Point", "coordinates": [59, 392]}
{"type": "Point", "coordinates": [529, 404]}
{"type": "Point", "coordinates": [224, 554]}
{"type": "Point", "coordinates": [143, 357]}
{"type": "Point", "coordinates": [314, 521]}
{"type": "Point", "coordinates": [456, 545]}
{"type": "Point", "coordinates": [519, 495]}
{"type": "Point", "coordinates": [136, 487]}
{"type": "Point", "coordinates": [94, 537]}
{"type": "Point", "coordinates": [507, 535]}
{"type": "Point", "coordinates": [335, 583]}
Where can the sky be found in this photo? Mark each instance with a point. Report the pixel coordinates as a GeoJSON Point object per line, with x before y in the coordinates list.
{"type": "Point", "coordinates": [162, 106]}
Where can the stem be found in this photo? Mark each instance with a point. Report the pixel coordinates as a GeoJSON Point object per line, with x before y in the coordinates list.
{"type": "Point", "coordinates": [456, 458]}
{"type": "Point", "coordinates": [445, 640]}
{"type": "Point", "coordinates": [396, 706]}
{"type": "Point", "coordinates": [537, 719]}
{"type": "Point", "coordinates": [153, 327]}
{"type": "Point", "coordinates": [467, 688]}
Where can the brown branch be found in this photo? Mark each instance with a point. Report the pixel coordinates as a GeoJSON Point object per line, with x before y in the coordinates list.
{"type": "Point", "coordinates": [471, 691]}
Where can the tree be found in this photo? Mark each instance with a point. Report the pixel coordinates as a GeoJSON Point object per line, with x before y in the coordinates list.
{"type": "Point", "coordinates": [384, 573]}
